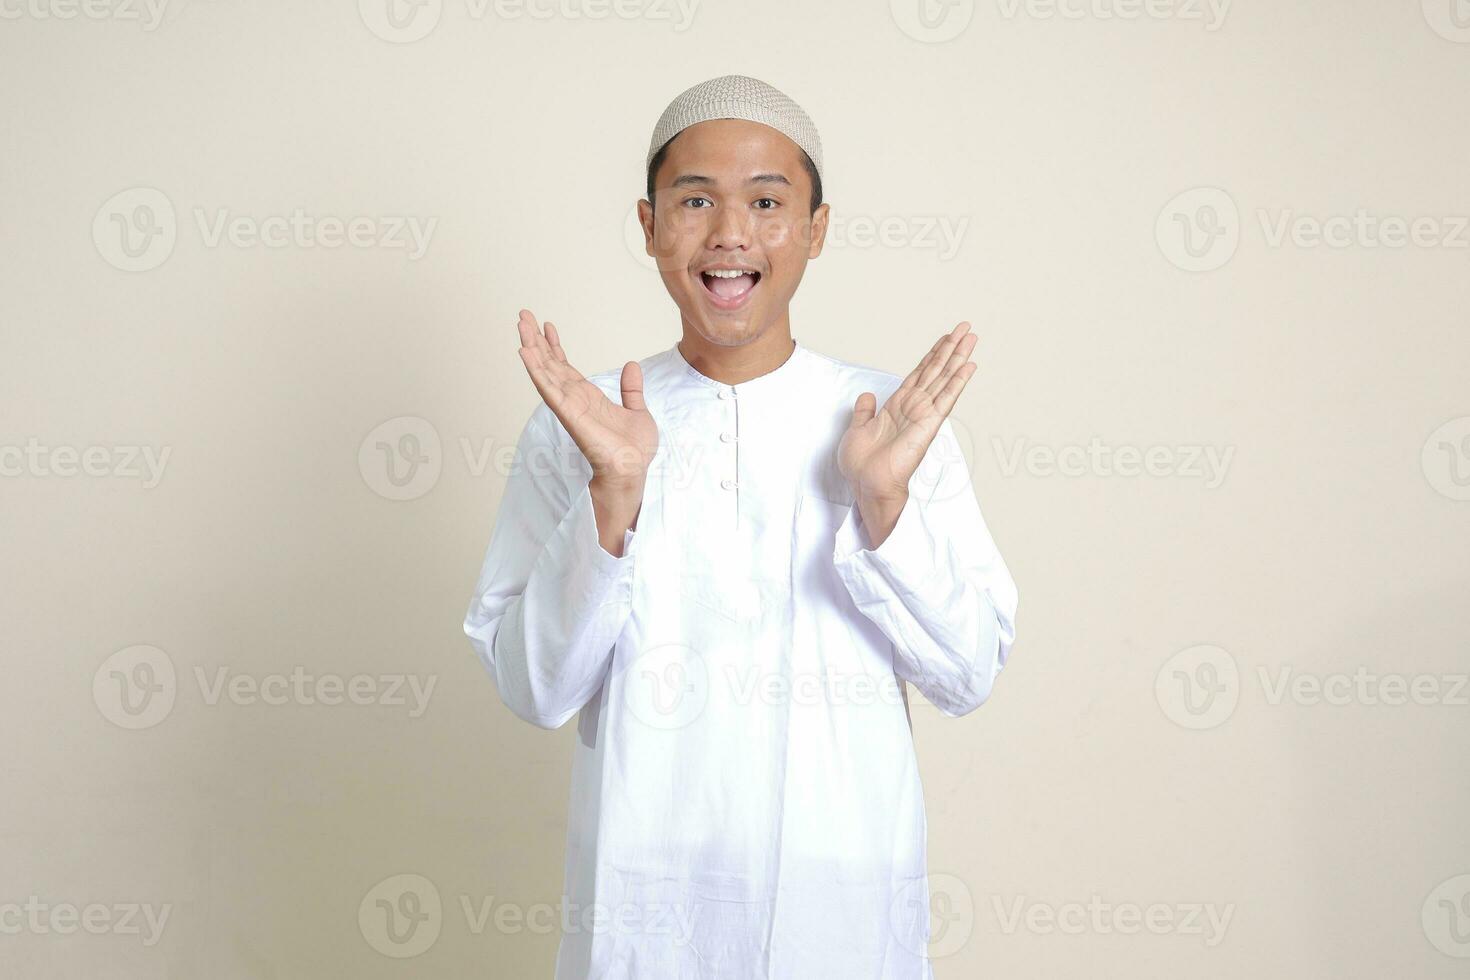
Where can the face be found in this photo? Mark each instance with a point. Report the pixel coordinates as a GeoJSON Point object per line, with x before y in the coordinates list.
{"type": "Point", "coordinates": [733, 228]}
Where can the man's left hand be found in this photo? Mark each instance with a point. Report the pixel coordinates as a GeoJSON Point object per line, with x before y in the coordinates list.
{"type": "Point", "coordinates": [881, 450]}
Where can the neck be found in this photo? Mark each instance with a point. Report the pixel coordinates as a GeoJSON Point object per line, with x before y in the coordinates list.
{"type": "Point", "coordinates": [737, 362]}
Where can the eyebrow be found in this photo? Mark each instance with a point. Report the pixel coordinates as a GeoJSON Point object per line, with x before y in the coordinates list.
{"type": "Point", "coordinates": [689, 180]}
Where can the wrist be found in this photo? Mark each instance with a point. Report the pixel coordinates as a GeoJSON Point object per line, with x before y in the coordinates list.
{"type": "Point", "coordinates": [880, 513]}
{"type": "Point", "coordinates": [883, 499]}
{"type": "Point", "coordinates": [617, 490]}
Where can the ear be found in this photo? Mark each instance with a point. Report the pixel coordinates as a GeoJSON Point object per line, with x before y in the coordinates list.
{"type": "Point", "coordinates": [819, 231]}
{"type": "Point", "coordinates": [645, 218]}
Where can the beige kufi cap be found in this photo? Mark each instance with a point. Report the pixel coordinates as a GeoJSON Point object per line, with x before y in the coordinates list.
{"type": "Point", "coordinates": [737, 97]}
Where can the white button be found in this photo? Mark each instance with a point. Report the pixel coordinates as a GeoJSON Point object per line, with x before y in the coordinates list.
{"type": "Point", "coordinates": [729, 484]}
{"type": "Point", "coordinates": [727, 437]}
{"type": "Point", "coordinates": [726, 393]}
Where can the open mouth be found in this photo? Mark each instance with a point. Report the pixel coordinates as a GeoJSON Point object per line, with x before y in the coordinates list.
{"type": "Point", "coordinates": [728, 289]}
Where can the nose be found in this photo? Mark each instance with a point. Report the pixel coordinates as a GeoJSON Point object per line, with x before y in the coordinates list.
{"type": "Point", "coordinates": [729, 229]}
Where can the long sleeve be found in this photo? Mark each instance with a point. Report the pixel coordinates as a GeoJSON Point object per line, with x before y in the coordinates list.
{"type": "Point", "coordinates": [937, 586]}
{"type": "Point", "coordinates": [550, 601]}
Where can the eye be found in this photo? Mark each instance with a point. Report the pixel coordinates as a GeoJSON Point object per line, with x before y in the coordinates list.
{"type": "Point", "coordinates": [693, 199]}
{"type": "Point", "coordinates": [771, 200]}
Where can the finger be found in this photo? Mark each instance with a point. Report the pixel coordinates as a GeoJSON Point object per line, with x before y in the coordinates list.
{"type": "Point", "coordinates": [941, 355]}
{"type": "Point", "coordinates": [958, 357]}
{"type": "Point", "coordinates": [546, 387]}
{"type": "Point", "coordinates": [865, 409]}
{"type": "Point", "coordinates": [531, 333]}
{"type": "Point", "coordinates": [950, 393]}
{"type": "Point", "coordinates": [913, 376]}
{"type": "Point", "coordinates": [553, 340]}
{"type": "Point", "coordinates": [941, 363]}
{"type": "Point", "coordinates": [552, 360]}
{"type": "Point", "coordinates": [526, 327]}
{"type": "Point", "coordinates": [632, 382]}
{"type": "Point", "coordinates": [918, 372]}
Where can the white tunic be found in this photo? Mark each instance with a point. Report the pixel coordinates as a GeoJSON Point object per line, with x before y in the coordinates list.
{"type": "Point", "coordinates": [745, 798]}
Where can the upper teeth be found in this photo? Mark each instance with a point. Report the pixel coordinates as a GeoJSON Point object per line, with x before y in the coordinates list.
{"type": "Point", "coordinates": [728, 273]}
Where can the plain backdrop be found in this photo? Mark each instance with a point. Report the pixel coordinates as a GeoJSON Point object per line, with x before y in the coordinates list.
{"type": "Point", "coordinates": [1238, 689]}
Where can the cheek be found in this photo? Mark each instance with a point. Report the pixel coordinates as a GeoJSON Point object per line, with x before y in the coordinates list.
{"type": "Point", "coordinates": [777, 234]}
{"type": "Point", "coordinates": [675, 237]}
{"type": "Point", "coordinates": [787, 233]}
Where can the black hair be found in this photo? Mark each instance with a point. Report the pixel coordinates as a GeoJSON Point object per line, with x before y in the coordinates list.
{"type": "Point", "coordinates": [806, 161]}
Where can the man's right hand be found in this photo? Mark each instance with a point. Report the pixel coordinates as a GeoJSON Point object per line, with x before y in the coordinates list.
{"type": "Point", "coordinates": [619, 441]}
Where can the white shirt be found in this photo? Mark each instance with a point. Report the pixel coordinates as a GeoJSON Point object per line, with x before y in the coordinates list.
{"type": "Point", "coordinates": [745, 798]}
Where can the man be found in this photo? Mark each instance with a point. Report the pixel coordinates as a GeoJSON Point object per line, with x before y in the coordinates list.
{"type": "Point", "coordinates": [725, 560]}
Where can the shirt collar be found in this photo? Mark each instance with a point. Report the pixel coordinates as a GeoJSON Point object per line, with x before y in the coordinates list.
{"type": "Point", "coordinates": [787, 372]}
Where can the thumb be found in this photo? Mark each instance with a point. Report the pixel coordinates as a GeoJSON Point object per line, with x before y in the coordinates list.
{"type": "Point", "coordinates": [633, 387]}
{"type": "Point", "coordinates": [865, 409]}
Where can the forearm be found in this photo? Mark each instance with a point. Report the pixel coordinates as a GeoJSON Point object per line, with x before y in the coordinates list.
{"type": "Point", "coordinates": [947, 611]}
{"type": "Point", "coordinates": [547, 637]}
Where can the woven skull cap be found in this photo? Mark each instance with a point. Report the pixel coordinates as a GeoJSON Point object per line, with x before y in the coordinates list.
{"type": "Point", "coordinates": [737, 97]}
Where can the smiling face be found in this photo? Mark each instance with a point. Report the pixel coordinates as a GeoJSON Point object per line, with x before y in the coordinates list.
{"type": "Point", "coordinates": [733, 228]}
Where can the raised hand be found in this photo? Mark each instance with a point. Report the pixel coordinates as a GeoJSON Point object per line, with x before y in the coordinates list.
{"type": "Point", "coordinates": [881, 450]}
{"type": "Point", "coordinates": [619, 441]}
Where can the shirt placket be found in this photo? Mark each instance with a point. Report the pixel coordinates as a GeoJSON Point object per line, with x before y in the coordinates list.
{"type": "Point", "coordinates": [730, 442]}
{"type": "Point", "coordinates": [740, 591]}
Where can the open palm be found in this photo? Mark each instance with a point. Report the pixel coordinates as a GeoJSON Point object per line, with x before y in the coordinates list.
{"type": "Point", "coordinates": [619, 441]}
{"type": "Point", "coordinates": [881, 450]}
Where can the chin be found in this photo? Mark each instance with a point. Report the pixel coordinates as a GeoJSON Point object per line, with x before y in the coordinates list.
{"type": "Point", "coordinates": [726, 332]}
